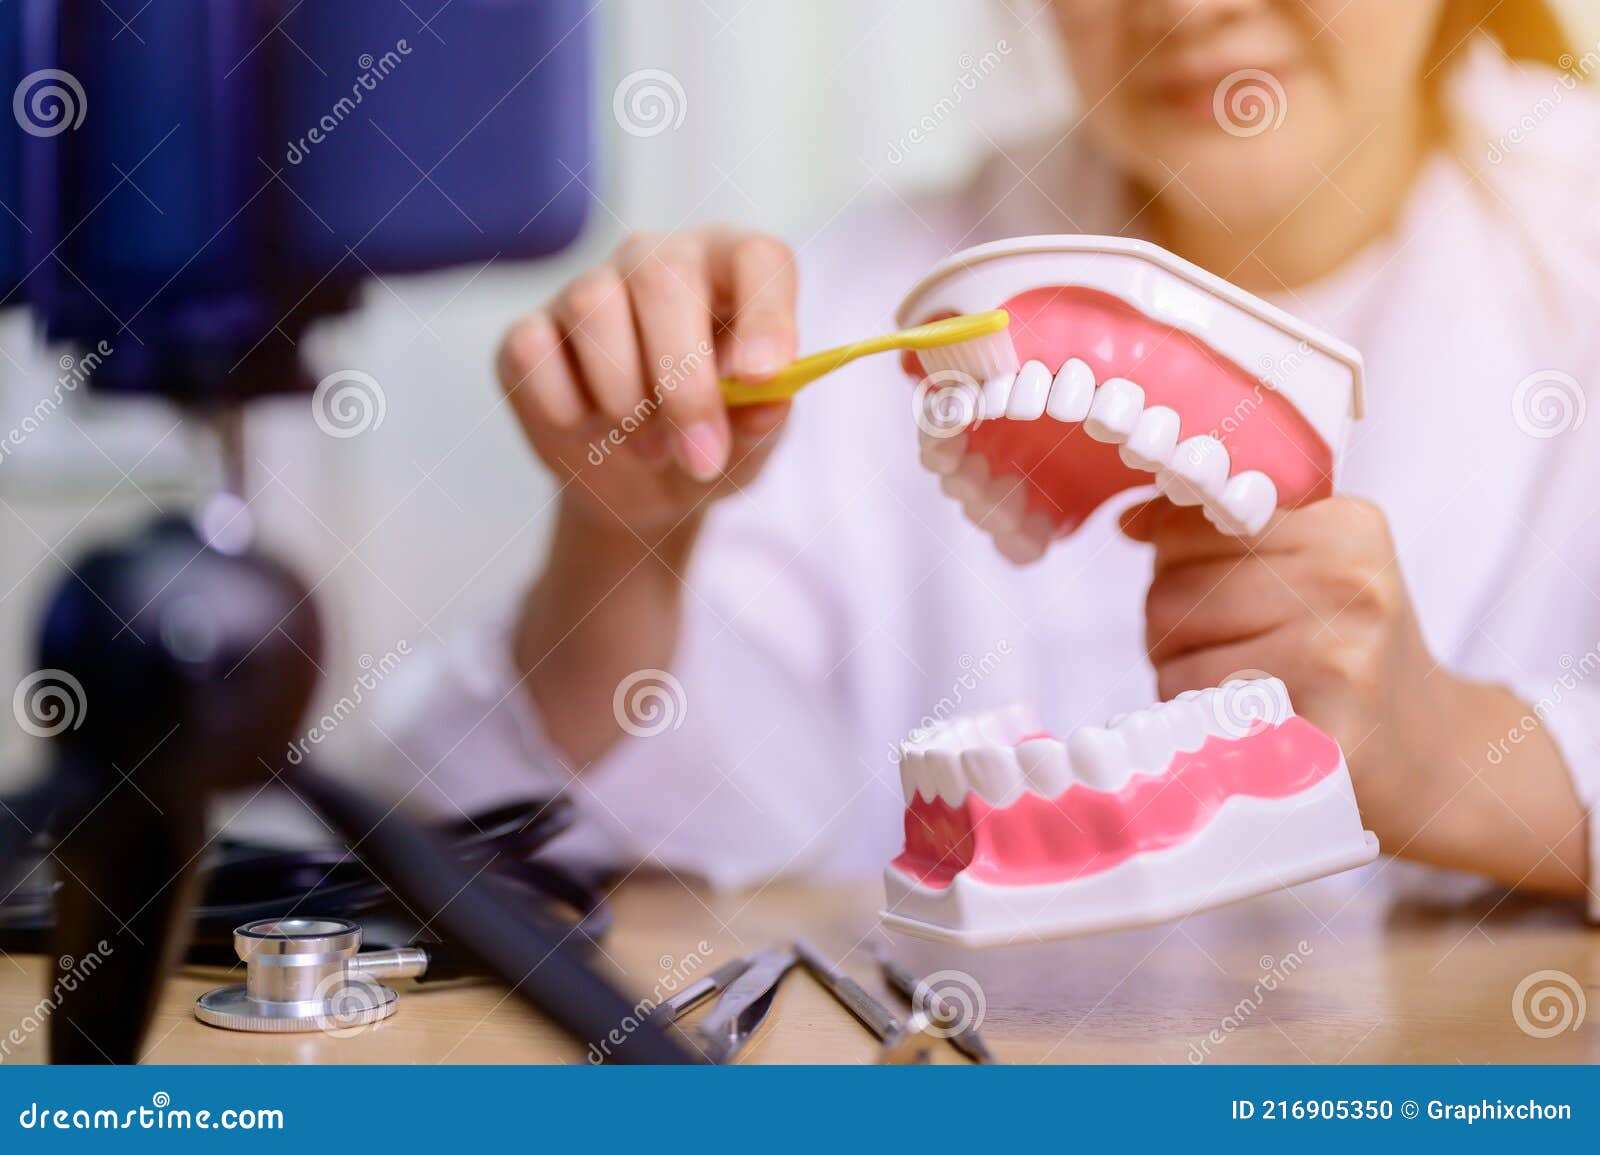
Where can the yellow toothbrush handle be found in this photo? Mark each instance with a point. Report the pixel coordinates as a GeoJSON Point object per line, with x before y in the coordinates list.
{"type": "Point", "coordinates": [798, 374]}
{"type": "Point", "coordinates": [789, 380]}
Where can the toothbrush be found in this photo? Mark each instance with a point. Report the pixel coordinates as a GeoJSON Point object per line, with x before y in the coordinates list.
{"type": "Point", "coordinates": [975, 344]}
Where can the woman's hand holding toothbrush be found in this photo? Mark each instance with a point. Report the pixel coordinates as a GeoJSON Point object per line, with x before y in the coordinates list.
{"type": "Point", "coordinates": [617, 385]}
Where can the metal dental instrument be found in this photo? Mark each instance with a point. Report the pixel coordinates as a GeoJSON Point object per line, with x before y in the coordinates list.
{"type": "Point", "coordinates": [734, 1019]}
{"type": "Point", "coordinates": [304, 974]}
{"type": "Point", "coordinates": [904, 1041]}
{"type": "Point", "coordinates": [697, 992]}
{"type": "Point", "coordinates": [925, 999]}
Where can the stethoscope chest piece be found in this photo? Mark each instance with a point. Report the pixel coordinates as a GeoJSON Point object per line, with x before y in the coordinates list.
{"type": "Point", "coordinates": [305, 974]}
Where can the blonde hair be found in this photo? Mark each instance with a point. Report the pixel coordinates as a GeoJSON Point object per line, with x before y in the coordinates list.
{"type": "Point", "coordinates": [1527, 30]}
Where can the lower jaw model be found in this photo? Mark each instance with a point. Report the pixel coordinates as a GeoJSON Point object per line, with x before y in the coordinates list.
{"type": "Point", "coordinates": [1013, 835]}
{"type": "Point", "coordinates": [1122, 365]}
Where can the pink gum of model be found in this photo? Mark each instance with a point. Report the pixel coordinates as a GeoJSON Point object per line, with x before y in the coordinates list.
{"type": "Point", "coordinates": [1124, 365]}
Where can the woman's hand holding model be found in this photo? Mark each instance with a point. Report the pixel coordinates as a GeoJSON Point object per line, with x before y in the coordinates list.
{"type": "Point", "coordinates": [1318, 600]}
{"type": "Point", "coordinates": [615, 383]}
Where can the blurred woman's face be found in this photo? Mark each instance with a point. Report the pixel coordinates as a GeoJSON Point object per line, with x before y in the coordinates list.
{"type": "Point", "coordinates": [1240, 108]}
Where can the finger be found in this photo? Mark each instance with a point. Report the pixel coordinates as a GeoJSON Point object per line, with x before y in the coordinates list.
{"type": "Point", "coordinates": [754, 278]}
{"type": "Point", "coordinates": [754, 439]}
{"type": "Point", "coordinates": [537, 377]}
{"type": "Point", "coordinates": [670, 296]}
{"type": "Point", "coordinates": [753, 423]}
{"type": "Point", "coordinates": [1202, 669]}
{"type": "Point", "coordinates": [1334, 526]}
{"type": "Point", "coordinates": [1216, 603]}
{"type": "Point", "coordinates": [596, 320]}
{"type": "Point", "coordinates": [1139, 521]}
{"type": "Point", "coordinates": [1183, 536]}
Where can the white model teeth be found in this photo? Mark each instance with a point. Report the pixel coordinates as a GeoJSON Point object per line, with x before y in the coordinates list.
{"type": "Point", "coordinates": [1115, 412]}
{"type": "Point", "coordinates": [997, 755]}
{"type": "Point", "coordinates": [1072, 392]}
{"type": "Point", "coordinates": [1240, 708]}
{"type": "Point", "coordinates": [1186, 721]}
{"type": "Point", "coordinates": [1029, 393]}
{"type": "Point", "coordinates": [999, 515]}
{"type": "Point", "coordinates": [942, 777]}
{"type": "Point", "coordinates": [1197, 471]}
{"type": "Point", "coordinates": [1099, 757]}
{"type": "Point", "coordinates": [967, 481]}
{"type": "Point", "coordinates": [1247, 502]}
{"type": "Point", "coordinates": [1044, 766]}
{"type": "Point", "coordinates": [993, 772]}
{"type": "Point", "coordinates": [968, 753]}
{"type": "Point", "coordinates": [1021, 548]}
{"type": "Point", "coordinates": [1149, 447]}
{"type": "Point", "coordinates": [1193, 471]}
{"type": "Point", "coordinates": [943, 455]}
{"type": "Point", "coordinates": [997, 395]}
{"type": "Point", "coordinates": [1149, 738]}
{"type": "Point", "coordinates": [1029, 541]}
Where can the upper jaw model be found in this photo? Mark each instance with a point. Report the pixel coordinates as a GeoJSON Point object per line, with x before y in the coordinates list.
{"type": "Point", "coordinates": [1128, 363]}
{"type": "Point", "coordinates": [1012, 835]}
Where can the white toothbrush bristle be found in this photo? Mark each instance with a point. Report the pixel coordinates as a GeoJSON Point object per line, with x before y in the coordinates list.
{"type": "Point", "coordinates": [981, 358]}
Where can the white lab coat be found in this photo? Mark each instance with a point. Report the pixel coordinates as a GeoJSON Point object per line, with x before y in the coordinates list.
{"type": "Point", "coordinates": [843, 599]}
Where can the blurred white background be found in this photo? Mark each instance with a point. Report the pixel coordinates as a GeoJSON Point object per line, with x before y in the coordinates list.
{"type": "Point", "coordinates": [791, 112]}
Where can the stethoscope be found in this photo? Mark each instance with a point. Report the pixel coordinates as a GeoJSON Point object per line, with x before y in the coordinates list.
{"type": "Point", "coordinates": [251, 885]}
{"type": "Point", "coordinates": [307, 974]}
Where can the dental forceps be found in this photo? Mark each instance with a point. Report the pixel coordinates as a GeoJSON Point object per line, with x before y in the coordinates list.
{"type": "Point", "coordinates": [736, 1017]}
{"type": "Point", "coordinates": [671, 1010]}
{"type": "Point", "coordinates": [922, 997]}
{"type": "Point", "coordinates": [748, 987]}
{"type": "Point", "coordinates": [902, 1040]}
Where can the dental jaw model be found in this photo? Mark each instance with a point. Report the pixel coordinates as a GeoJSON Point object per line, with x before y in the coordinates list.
{"type": "Point", "coordinates": [1013, 835]}
{"type": "Point", "coordinates": [1122, 366]}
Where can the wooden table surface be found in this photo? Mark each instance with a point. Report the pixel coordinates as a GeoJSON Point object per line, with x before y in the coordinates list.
{"type": "Point", "coordinates": [1310, 975]}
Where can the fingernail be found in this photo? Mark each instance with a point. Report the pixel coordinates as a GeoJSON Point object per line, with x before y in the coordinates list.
{"type": "Point", "coordinates": [704, 449]}
{"type": "Point", "coordinates": [760, 356]}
